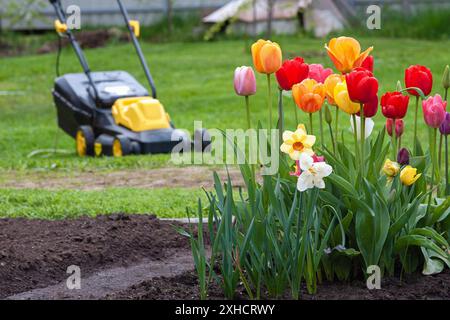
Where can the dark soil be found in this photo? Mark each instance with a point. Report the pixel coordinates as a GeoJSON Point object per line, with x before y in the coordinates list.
{"type": "Point", "coordinates": [36, 253]}
{"type": "Point", "coordinates": [140, 257]}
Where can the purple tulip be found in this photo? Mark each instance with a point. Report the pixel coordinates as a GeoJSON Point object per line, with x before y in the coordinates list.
{"type": "Point", "coordinates": [445, 125]}
{"type": "Point", "coordinates": [403, 156]}
{"type": "Point", "coordinates": [244, 81]}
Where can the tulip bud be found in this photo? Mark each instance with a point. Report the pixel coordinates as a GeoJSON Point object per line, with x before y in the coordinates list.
{"type": "Point", "coordinates": [445, 125]}
{"type": "Point", "coordinates": [403, 156]}
{"type": "Point", "coordinates": [446, 78]}
{"type": "Point", "coordinates": [399, 127]}
{"type": "Point", "coordinates": [399, 86]}
{"type": "Point", "coordinates": [244, 81]}
{"type": "Point", "coordinates": [327, 114]}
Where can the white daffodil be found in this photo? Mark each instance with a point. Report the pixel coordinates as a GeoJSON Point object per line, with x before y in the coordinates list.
{"type": "Point", "coordinates": [312, 173]}
{"type": "Point", "coordinates": [369, 127]}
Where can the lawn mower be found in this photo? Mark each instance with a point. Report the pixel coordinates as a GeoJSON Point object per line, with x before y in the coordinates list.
{"type": "Point", "coordinates": [110, 113]}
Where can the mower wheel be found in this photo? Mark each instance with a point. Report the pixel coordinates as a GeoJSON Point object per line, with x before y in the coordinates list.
{"type": "Point", "coordinates": [121, 146]}
{"type": "Point", "coordinates": [84, 140]}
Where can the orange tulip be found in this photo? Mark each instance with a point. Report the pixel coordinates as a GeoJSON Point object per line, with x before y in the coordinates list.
{"type": "Point", "coordinates": [309, 95]}
{"type": "Point", "coordinates": [267, 56]}
{"type": "Point", "coordinates": [330, 82]}
{"type": "Point", "coordinates": [345, 52]}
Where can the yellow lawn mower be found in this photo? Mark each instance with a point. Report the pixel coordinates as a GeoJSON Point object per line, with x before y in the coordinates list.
{"type": "Point", "coordinates": [110, 112]}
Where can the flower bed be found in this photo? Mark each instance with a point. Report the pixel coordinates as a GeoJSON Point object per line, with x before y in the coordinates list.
{"type": "Point", "coordinates": [333, 212]}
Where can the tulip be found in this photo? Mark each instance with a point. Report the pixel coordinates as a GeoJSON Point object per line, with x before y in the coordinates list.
{"type": "Point", "coordinates": [434, 111]}
{"type": "Point", "coordinates": [267, 59]}
{"type": "Point", "coordinates": [345, 52]}
{"type": "Point", "coordinates": [244, 81]}
{"type": "Point", "coordinates": [370, 108]}
{"type": "Point", "coordinates": [309, 96]}
{"type": "Point", "coordinates": [245, 85]}
{"type": "Point", "coordinates": [403, 156]}
{"type": "Point", "coordinates": [399, 127]}
{"type": "Point", "coordinates": [445, 131]}
{"type": "Point", "coordinates": [330, 83]}
{"type": "Point", "coordinates": [446, 78]}
{"type": "Point", "coordinates": [342, 99]}
{"type": "Point", "coordinates": [419, 77]}
{"type": "Point", "coordinates": [409, 175]}
{"type": "Point", "coordinates": [267, 56]}
{"type": "Point", "coordinates": [444, 128]}
{"type": "Point", "coordinates": [292, 72]}
{"type": "Point", "coordinates": [394, 105]}
{"type": "Point", "coordinates": [391, 168]}
{"type": "Point", "coordinates": [318, 72]}
{"type": "Point", "coordinates": [368, 63]}
{"type": "Point", "coordinates": [362, 85]}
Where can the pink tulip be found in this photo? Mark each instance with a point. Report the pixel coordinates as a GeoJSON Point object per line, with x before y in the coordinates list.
{"type": "Point", "coordinates": [434, 110]}
{"type": "Point", "coordinates": [244, 81]}
{"type": "Point", "coordinates": [318, 72]}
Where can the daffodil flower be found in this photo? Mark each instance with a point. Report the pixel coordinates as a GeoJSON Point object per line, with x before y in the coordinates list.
{"type": "Point", "coordinates": [312, 173]}
{"type": "Point", "coordinates": [298, 142]}
{"type": "Point", "coordinates": [368, 128]}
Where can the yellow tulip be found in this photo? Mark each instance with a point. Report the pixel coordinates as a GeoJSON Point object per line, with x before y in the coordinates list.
{"type": "Point", "coordinates": [345, 52]}
{"type": "Point", "coordinates": [309, 95]}
{"type": "Point", "coordinates": [342, 99]}
{"type": "Point", "coordinates": [297, 142]}
{"type": "Point", "coordinates": [409, 175]}
{"type": "Point", "coordinates": [330, 83]}
{"type": "Point", "coordinates": [267, 56]}
{"type": "Point", "coordinates": [391, 168]}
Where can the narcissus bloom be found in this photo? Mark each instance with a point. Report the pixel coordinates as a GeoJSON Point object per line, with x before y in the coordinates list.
{"type": "Point", "coordinates": [267, 56]}
{"type": "Point", "coordinates": [391, 168]}
{"type": "Point", "coordinates": [244, 81]}
{"type": "Point", "coordinates": [309, 95]}
{"type": "Point", "coordinates": [292, 72]}
{"type": "Point", "coordinates": [342, 99]}
{"type": "Point", "coordinates": [394, 105]}
{"type": "Point", "coordinates": [298, 142]}
{"type": "Point", "coordinates": [345, 52]}
{"type": "Point", "coordinates": [298, 171]}
{"type": "Point", "coordinates": [362, 85]}
{"type": "Point", "coordinates": [312, 173]}
{"type": "Point", "coordinates": [409, 175]}
{"type": "Point", "coordinates": [434, 111]}
{"type": "Point", "coordinates": [368, 63]}
{"type": "Point", "coordinates": [330, 82]}
{"type": "Point", "coordinates": [419, 77]}
{"type": "Point", "coordinates": [399, 126]}
{"type": "Point", "coordinates": [318, 72]}
{"type": "Point", "coordinates": [444, 128]}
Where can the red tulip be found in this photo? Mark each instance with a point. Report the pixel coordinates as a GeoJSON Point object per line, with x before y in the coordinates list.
{"type": "Point", "coordinates": [362, 85]}
{"type": "Point", "coordinates": [370, 108]}
{"type": "Point", "coordinates": [420, 77]}
{"type": "Point", "coordinates": [434, 111]}
{"type": "Point", "coordinates": [292, 72]}
{"type": "Point", "coordinates": [399, 126]}
{"type": "Point", "coordinates": [318, 72]}
{"type": "Point", "coordinates": [368, 63]}
{"type": "Point", "coordinates": [394, 105]}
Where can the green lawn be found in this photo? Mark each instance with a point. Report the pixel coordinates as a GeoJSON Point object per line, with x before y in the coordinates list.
{"type": "Point", "coordinates": [194, 82]}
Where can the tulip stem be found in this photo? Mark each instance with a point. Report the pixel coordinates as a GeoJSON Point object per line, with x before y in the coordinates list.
{"type": "Point", "coordinates": [269, 102]}
{"type": "Point", "coordinates": [296, 113]}
{"type": "Point", "coordinates": [247, 106]}
{"type": "Point", "coordinates": [394, 140]}
{"type": "Point", "coordinates": [433, 166]}
{"type": "Point", "coordinates": [332, 138]}
{"type": "Point", "coordinates": [440, 151]}
{"type": "Point", "coordinates": [321, 127]}
{"type": "Point", "coordinates": [355, 136]}
{"type": "Point", "coordinates": [311, 123]}
{"type": "Point", "coordinates": [447, 184]}
{"type": "Point", "coordinates": [415, 126]}
{"type": "Point", "coordinates": [337, 125]}
{"type": "Point", "coordinates": [362, 136]}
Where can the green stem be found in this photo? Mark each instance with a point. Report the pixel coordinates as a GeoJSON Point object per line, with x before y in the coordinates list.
{"type": "Point", "coordinates": [296, 113]}
{"type": "Point", "coordinates": [280, 117]}
{"type": "Point", "coordinates": [440, 151]}
{"type": "Point", "coordinates": [247, 106]}
{"type": "Point", "coordinates": [336, 132]}
{"type": "Point", "coordinates": [332, 138]}
{"type": "Point", "coordinates": [394, 140]}
{"type": "Point", "coordinates": [362, 136]}
{"type": "Point", "coordinates": [415, 125]}
{"type": "Point", "coordinates": [321, 127]}
{"type": "Point", "coordinates": [311, 130]}
{"type": "Point", "coordinates": [355, 136]}
{"type": "Point", "coordinates": [445, 94]}
{"type": "Point", "coordinates": [433, 166]}
{"type": "Point", "coordinates": [447, 184]}
{"type": "Point", "coordinates": [269, 102]}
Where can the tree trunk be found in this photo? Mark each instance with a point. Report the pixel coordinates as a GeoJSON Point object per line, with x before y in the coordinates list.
{"type": "Point", "coordinates": [169, 9]}
{"type": "Point", "coordinates": [254, 18]}
{"type": "Point", "coordinates": [270, 4]}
